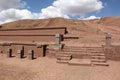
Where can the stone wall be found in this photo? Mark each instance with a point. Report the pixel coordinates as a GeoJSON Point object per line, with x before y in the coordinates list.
{"type": "Point", "coordinates": [31, 35]}
{"type": "Point", "coordinates": [34, 31]}
{"type": "Point", "coordinates": [112, 53]}
{"type": "Point", "coordinates": [38, 50]}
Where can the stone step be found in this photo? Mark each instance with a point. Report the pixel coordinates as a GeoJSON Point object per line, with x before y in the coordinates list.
{"type": "Point", "coordinates": [63, 55]}
{"type": "Point", "coordinates": [98, 60]}
{"type": "Point", "coordinates": [63, 58]}
{"type": "Point", "coordinates": [98, 57]}
{"type": "Point", "coordinates": [87, 51]}
{"type": "Point", "coordinates": [97, 54]}
{"type": "Point", "coordinates": [100, 63]}
{"type": "Point", "coordinates": [62, 61]}
{"type": "Point", "coordinates": [81, 62]}
{"type": "Point", "coordinates": [74, 52]}
{"type": "Point", "coordinates": [82, 49]}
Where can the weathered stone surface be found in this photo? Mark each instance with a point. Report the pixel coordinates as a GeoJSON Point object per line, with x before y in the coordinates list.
{"type": "Point", "coordinates": [112, 53]}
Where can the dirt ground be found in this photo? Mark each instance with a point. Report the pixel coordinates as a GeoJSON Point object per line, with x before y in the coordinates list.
{"type": "Point", "coordinates": [47, 69]}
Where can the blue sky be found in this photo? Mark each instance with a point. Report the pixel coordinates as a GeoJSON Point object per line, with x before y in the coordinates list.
{"type": "Point", "coordinates": [11, 10]}
{"type": "Point", "coordinates": [111, 7]}
{"type": "Point", "coordinates": [37, 5]}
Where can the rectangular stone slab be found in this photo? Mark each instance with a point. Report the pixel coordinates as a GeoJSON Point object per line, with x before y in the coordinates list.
{"type": "Point", "coordinates": [82, 62]}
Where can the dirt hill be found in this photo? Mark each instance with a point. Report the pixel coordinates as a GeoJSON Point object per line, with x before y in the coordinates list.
{"type": "Point", "coordinates": [87, 30]}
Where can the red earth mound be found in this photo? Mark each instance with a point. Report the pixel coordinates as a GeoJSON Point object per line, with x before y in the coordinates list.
{"type": "Point", "coordinates": [88, 31]}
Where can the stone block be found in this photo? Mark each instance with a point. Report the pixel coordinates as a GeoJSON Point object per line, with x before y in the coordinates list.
{"type": "Point", "coordinates": [9, 52]}
{"type": "Point", "coordinates": [31, 54]}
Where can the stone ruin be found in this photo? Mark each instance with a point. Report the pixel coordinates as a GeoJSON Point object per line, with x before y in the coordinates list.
{"type": "Point", "coordinates": [40, 42]}
{"type": "Point", "coordinates": [108, 40]}
{"type": "Point", "coordinates": [112, 51]}
{"type": "Point", "coordinates": [31, 43]}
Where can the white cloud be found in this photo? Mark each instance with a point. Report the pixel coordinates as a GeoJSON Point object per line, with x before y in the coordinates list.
{"type": "Point", "coordinates": [63, 8]}
{"type": "Point", "coordinates": [78, 7]}
{"type": "Point", "coordinates": [51, 12]}
{"type": "Point", "coordinates": [6, 4]}
{"type": "Point", "coordinates": [16, 14]}
{"type": "Point", "coordinates": [60, 8]}
{"type": "Point", "coordinates": [91, 17]}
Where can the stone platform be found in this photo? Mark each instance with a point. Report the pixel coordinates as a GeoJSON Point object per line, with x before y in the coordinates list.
{"type": "Point", "coordinates": [84, 62]}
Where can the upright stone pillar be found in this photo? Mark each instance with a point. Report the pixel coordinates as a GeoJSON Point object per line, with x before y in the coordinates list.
{"type": "Point", "coordinates": [108, 40]}
{"type": "Point", "coordinates": [31, 54]}
{"type": "Point", "coordinates": [58, 38]}
{"type": "Point", "coordinates": [20, 53]}
{"type": "Point", "coordinates": [9, 52]}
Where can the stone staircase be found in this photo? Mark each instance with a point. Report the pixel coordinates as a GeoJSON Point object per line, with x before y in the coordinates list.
{"type": "Point", "coordinates": [98, 59]}
{"type": "Point", "coordinates": [73, 55]}
{"type": "Point", "coordinates": [63, 58]}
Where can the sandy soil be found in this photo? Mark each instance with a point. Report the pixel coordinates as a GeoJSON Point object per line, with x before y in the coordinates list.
{"type": "Point", "coordinates": [47, 69]}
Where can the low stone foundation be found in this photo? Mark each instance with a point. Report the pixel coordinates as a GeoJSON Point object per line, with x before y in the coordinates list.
{"type": "Point", "coordinates": [39, 51]}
